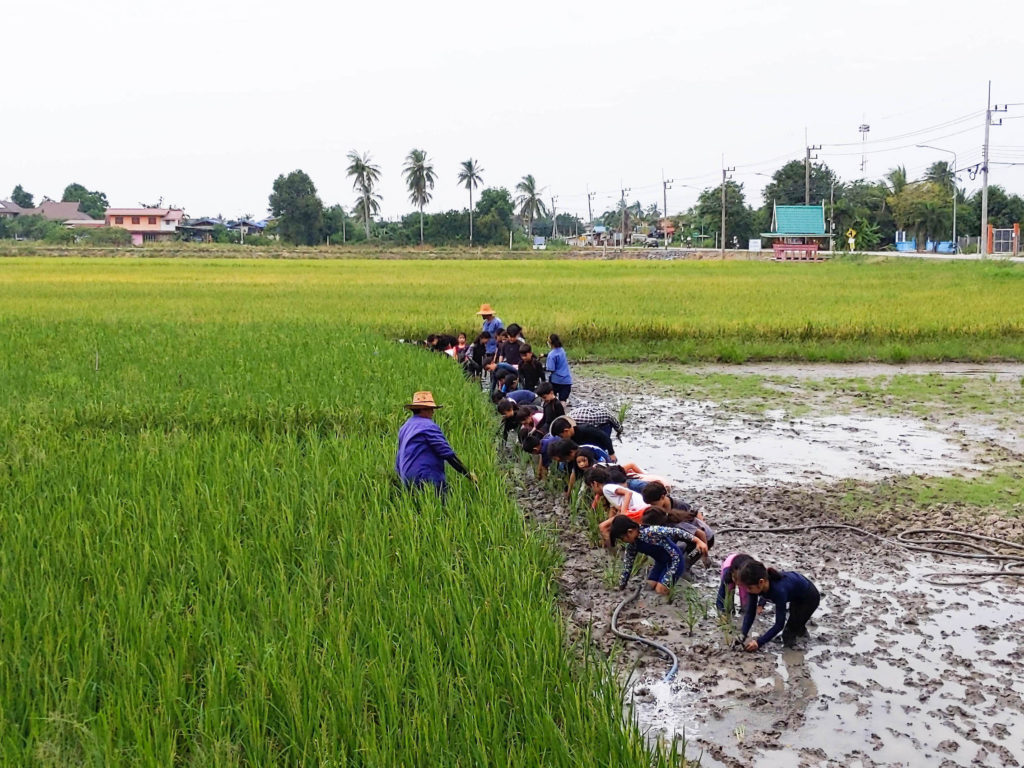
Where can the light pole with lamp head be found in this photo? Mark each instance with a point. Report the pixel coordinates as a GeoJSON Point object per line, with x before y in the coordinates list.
{"type": "Point", "coordinates": [956, 246]}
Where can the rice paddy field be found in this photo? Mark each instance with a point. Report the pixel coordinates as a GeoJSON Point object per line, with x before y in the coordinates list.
{"type": "Point", "coordinates": [849, 310]}
{"type": "Point", "coordinates": [205, 560]}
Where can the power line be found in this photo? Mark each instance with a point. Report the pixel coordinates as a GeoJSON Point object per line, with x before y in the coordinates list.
{"type": "Point", "coordinates": [895, 149]}
{"type": "Point", "coordinates": [909, 134]}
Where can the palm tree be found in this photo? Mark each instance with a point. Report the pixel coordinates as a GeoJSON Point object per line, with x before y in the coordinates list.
{"type": "Point", "coordinates": [897, 179]}
{"type": "Point", "coordinates": [364, 176]}
{"type": "Point", "coordinates": [470, 178]}
{"type": "Point", "coordinates": [419, 178]}
{"type": "Point", "coordinates": [529, 202]}
{"type": "Point", "coordinates": [941, 172]}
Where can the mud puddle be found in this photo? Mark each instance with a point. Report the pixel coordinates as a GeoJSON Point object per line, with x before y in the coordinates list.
{"type": "Point", "coordinates": [699, 444]}
{"type": "Point", "coordinates": [1005, 371]}
{"type": "Point", "coordinates": [896, 671]}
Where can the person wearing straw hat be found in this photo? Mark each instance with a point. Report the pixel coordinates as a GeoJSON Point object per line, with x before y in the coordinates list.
{"type": "Point", "coordinates": [423, 448]}
{"type": "Point", "coordinates": [492, 324]}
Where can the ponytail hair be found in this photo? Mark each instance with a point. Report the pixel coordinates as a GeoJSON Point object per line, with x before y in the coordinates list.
{"type": "Point", "coordinates": [740, 560]}
{"type": "Point", "coordinates": [753, 572]}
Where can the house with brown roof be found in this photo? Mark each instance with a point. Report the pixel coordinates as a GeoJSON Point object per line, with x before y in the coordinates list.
{"type": "Point", "coordinates": [146, 224]}
{"type": "Point", "coordinates": [48, 209]}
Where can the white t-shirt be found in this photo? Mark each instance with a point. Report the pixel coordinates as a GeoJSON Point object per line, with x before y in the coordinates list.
{"type": "Point", "coordinates": [636, 501]}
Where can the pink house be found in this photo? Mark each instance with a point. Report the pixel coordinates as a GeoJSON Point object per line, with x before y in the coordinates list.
{"type": "Point", "coordinates": [146, 224]}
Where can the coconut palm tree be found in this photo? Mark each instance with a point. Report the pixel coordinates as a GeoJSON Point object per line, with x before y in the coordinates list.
{"type": "Point", "coordinates": [941, 172]}
{"type": "Point", "coordinates": [530, 204]}
{"type": "Point", "coordinates": [897, 179]}
{"type": "Point", "coordinates": [470, 178]}
{"type": "Point", "coordinates": [365, 176]}
{"type": "Point", "coordinates": [419, 178]}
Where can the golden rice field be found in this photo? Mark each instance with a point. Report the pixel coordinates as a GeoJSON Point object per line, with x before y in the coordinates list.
{"type": "Point", "coordinates": [893, 310]}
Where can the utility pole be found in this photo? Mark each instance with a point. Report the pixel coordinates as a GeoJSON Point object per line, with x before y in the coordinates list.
{"type": "Point", "coordinates": [807, 171]}
{"type": "Point", "coordinates": [554, 218]}
{"type": "Point", "coordinates": [983, 241]}
{"type": "Point", "coordinates": [666, 185]}
{"type": "Point", "coordinates": [725, 178]}
{"type": "Point", "coordinates": [590, 212]}
{"type": "Point", "coordinates": [984, 170]}
{"type": "Point", "coordinates": [624, 191]}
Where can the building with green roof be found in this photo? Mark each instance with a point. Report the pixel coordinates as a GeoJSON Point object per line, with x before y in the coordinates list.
{"type": "Point", "coordinates": [798, 231]}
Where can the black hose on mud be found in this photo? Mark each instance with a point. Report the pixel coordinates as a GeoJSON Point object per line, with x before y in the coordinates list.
{"type": "Point", "coordinates": [945, 542]}
{"type": "Point", "coordinates": [637, 639]}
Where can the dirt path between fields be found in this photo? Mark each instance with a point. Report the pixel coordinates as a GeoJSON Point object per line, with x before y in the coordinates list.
{"type": "Point", "coordinates": [896, 672]}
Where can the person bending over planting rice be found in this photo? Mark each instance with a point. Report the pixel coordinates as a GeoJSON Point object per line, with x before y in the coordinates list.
{"type": "Point", "coordinates": [566, 428]}
{"type": "Point", "coordinates": [552, 406]}
{"type": "Point", "coordinates": [423, 448]}
{"type": "Point", "coordinates": [659, 544]}
{"type": "Point", "coordinates": [788, 590]}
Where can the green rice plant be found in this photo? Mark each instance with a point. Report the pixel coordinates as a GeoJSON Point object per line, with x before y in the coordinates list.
{"type": "Point", "coordinates": [207, 561]}
{"type": "Point", "coordinates": [696, 607]}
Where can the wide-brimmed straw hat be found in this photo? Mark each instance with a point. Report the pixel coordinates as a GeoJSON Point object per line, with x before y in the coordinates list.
{"type": "Point", "coordinates": [422, 400]}
{"type": "Point", "coordinates": [485, 309]}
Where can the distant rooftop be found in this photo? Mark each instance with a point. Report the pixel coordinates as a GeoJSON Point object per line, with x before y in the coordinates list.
{"type": "Point", "coordinates": [798, 220]}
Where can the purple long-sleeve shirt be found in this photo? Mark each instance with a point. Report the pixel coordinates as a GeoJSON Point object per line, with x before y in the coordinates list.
{"type": "Point", "coordinates": [422, 452]}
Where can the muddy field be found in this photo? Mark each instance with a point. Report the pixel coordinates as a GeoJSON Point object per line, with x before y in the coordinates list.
{"type": "Point", "coordinates": [896, 672]}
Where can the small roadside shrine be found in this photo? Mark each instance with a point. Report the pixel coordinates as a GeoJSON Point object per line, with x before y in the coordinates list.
{"type": "Point", "coordinates": [798, 232]}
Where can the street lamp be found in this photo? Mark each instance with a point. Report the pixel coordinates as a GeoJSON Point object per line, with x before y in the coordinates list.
{"type": "Point", "coordinates": [956, 247]}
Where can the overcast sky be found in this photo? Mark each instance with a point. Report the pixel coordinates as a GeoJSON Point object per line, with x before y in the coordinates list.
{"type": "Point", "coordinates": [205, 103]}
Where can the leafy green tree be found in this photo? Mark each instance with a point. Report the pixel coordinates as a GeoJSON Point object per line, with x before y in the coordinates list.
{"type": "Point", "coordinates": [787, 186]}
{"type": "Point", "coordinates": [861, 205]}
{"type": "Point", "coordinates": [739, 218]}
{"type": "Point", "coordinates": [497, 200]}
{"type": "Point", "coordinates": [923, 208]}
{"type": "Point", "coordinates": [37, 227]}
{"type": "Point", "coordinates": [335, 224]}
{"type": "Point", "coordinates": [365, 176]}
{"type": "Point", "coordinates": [470, 177]}
{"type": "Point", "coordinates": [295, 202]}
{"type": "Point", "coordinates": [20, 197]}
{"type": "Point", "coordinates": [419, 179]}
{"type": "Point", "coordinates": [1004, 210]}
{"type": "Point", "coordinates": [106, 236]}
{"type": "Point", "coordinates": [92, 204]}
{"type": "Point", "coordinates": [530, 204]}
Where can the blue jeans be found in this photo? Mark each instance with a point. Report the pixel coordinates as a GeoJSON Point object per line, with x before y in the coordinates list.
{"type": "Point", "coordinates": [661, 563]}
{"type": "Point", "coordinates": [562, 391]}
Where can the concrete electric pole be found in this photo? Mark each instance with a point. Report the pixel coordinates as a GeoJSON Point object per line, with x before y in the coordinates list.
{"type": "Point", "coordinates": [807, 171]}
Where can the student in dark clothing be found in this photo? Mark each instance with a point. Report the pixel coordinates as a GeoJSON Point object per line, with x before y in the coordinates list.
{"type": "Point", "coordinates": [551, 405]}
{"type": "Point", "coordinates": [509, 353]}
{"type": "Point", "coordinates": [787, 589]}
{"type": "Point", "coordinates": [566, 428]}
{"type": "Point", "coordinates": [474, 365]}
{"type": "Point", "coordinates": [565, 451]}
{"type": "Point", "coordinates": [681, 513]}
{"type": "Point", "coordinates": [531, 371]}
